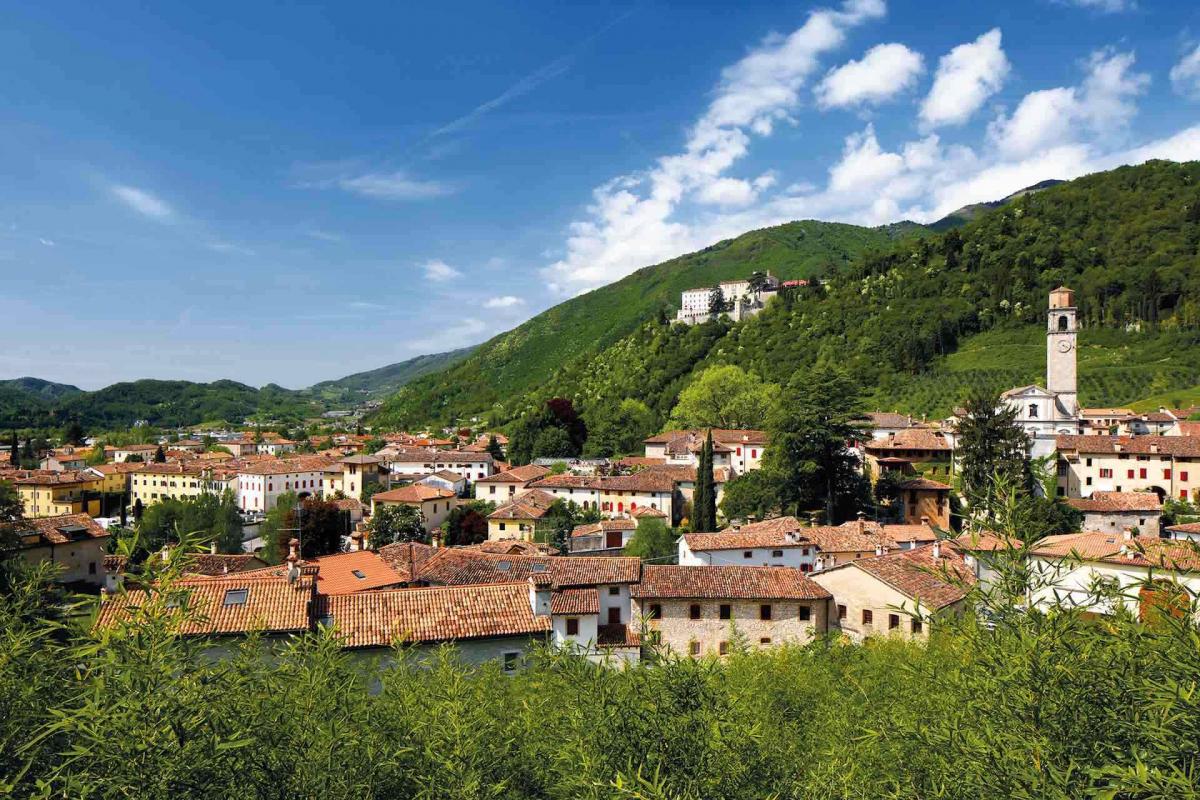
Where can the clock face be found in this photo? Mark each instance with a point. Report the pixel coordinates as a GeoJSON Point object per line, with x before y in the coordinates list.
{"type": "Point", "coordinates": [1065, 345]}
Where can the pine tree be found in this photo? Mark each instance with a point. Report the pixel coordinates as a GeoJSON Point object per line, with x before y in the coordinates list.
{"type": "Point", "coordinates": [494, 448]}
{"type": "Point", "coordinates": [14, 456]}
{"type": "Point", "coordinates": [992, 449]}
{"type": "Point", "coordinates": [160, 455]}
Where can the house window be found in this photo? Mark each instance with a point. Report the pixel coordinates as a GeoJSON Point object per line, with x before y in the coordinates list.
{"type": "Point", "coordinates": [916, 625]}
{"type": "Point", "coordinates": [613, 591]}
{"type": "Point", "coordinates": [868, 617]}
{"type": "Point", "coordinates": [1105, 473]}
{"type": "Point", "coordinates": [510, 661]}
{"type": "Point", "coordinates": [1033, 410]}
{"type": "Point", "coordinates": [1183, 475]}
{"type": "Point", "coordinates": [805, 613]}
{"type": "Point", "coordinates": [765, 640]}
{"type": "Point", "coordinates": [91, 568]}
{"type": "Point", "coordinates": [501, 526]}
{"type": "Point", "coordinates": [694, 648]}
{"type": "Point", "coordinates": [572, 626]}
{"type": "Point", "coordinates": [1183, 494]}
{"type": "Point", "coordinates": [725, 611]}
{"type": "Point", "coordinates": [1142, 473]}
{"type": "Point", "coordinates": [1089, 462]}
{"type": "Point", "coordinates": [776, 554]}
{"type": "Point", "coordinates": [694, 611]}
{"type": "Point", "coordinates": [1129, 474]}
{"type": "Point", "coordinates": [1166, 474]}
{"type": "Point", "coordinates": [893, 621]}
{"type": "Point", "coordinates": [1062, 468]}
{"type": "Point", "coordinates": [754, 454]}
{"type": "Point", "coordinates": [656, 611]}
{"type": "Point", "coordinates": [764, 611]}
{"type": "Point", "coordinates": [1088, 481]}
{"type": "Point", "coordinates": [841, 611]}
{"type": "Point", "coordinates": [723, 648]}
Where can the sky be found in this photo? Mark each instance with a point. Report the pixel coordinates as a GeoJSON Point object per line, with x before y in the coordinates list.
{"type": "Point", "coordinates": [291, 193]}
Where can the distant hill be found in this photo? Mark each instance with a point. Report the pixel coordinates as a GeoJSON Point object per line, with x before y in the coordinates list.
{"type": "Point", "coordinates": [918, 321]}
{"type": "Point", "coordinates": [534, 352]}
{"type": "Point", "coordinates": [967, 213]}
{"type": "Point", "coordinates": [47, 390]}
{"type": "Point", "coordinates": [384, 381]}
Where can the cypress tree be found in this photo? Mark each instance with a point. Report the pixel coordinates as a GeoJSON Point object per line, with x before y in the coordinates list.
{"type": "Point", "coordinates": [704, 500]}
{"type": "Point", "coordinates": [14, 457]}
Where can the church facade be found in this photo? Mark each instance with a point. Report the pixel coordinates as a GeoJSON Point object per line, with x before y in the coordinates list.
{"type": "Point", "coordinates": [1053, 410]}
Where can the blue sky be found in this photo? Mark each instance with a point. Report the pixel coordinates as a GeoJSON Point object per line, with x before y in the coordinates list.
{"type": "Point", "coordinates": [277, 193]}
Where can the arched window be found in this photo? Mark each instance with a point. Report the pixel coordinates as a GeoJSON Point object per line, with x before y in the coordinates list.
{"type": "Point", "coordinates": [1062, 322]}
{"type": "Point", "coordinates": [1033, 410]}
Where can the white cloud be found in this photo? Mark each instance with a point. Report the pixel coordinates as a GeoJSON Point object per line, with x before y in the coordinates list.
{"type": "Point", "coordinates": [47, 242]}
{"type": "Point", "coordinates": [1102, 106]}
{"type": "Point", "coordinates": [1105, 6]}
{"type": "Point", "coordinates": [1185, 76]}
{"type": "Point", "coordinates": [229, 248]}
{"type": "Point", "coordinates": [884, 71]}
{"type": "Point", "coordinates": [966, 77]}
{"type": "Point", "coordinates": [438, 270]}
{"type": "Point", "coordinates": [505, 301]}
{"type": "Point", "coordinates": [142, 201]}
{"type": "Point", "coordinates": [459, 333]}
{"type": "Point", "coordinates": [629, 223]}
{"type": "Point", "coordinates": [393, 186]}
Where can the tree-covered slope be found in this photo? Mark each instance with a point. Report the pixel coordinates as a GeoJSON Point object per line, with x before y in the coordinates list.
{"type": "Point", "coordinates": [921, 322]}
{"type": "Point", "coordinates": [46, 390]}
{"type": "Point", "coordinates": [384, 381]}
{"type": "Point", "coordinates": [519, 361]}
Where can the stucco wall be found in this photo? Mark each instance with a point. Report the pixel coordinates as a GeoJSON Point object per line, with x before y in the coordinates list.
{"type": "Point", "coordinates": [676, 630]}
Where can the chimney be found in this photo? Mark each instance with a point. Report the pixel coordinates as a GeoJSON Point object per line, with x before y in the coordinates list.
{"type": "Point", "coordinates": [925, 521]}
{"type": "Point", "coordinates": [860, 516]}
{"type": "Point", "coordinates": [356, 541]}
{"type": "Point", "coordinates": [1127, 534]}
{"type": "Point", "coordinates": [212, 547]}
{"type": "Point", "coordinates": [293, 570]}
{"type": "Point", "coordinates": [819, 564]}
{"type": "Point", "coordinates": [435, 537]}
{"type": "Point", "coordinates": [539, 597]}
{"type": "Point", "coordinates": [878, 549]}
{"type": "Point", "coordinates": [165, 553]}
{"type": "Point", "coordinates": [293, 549]}
{"type": "Point", "coordinates": [937, 549]}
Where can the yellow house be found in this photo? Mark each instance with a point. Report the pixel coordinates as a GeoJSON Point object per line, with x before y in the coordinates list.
{"type": "Point", "coordinates": [152, 482]}
{"type": "Point", "coordinates": [434, 503]}
{"type": "Point", "coordinates": [518, 518]}
{"type": "Point", "coordinates": [53, 494]}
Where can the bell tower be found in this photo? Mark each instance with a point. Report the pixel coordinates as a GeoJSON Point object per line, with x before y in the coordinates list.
{"type": "Point", "coordinates": [1061, 340]}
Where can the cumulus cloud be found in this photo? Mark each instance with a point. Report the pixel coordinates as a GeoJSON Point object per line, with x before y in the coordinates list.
{"type": "Point", "coordinates": [142, 201]}
{"type": "Point", "coordinates": [504, 301]}
{"type": "Point", "coordinates": [966, 77]}
{"type": "Point", "coordinates": [884, 71]}
{"type": "Point", "coordinates": [1102, 105]}
{"type": "Point", "coordinates": [438, 270]}
{"type": "Point", "coordinates": [1185, 76]}
{"type": "Point", "coordinates": [629, 222]}
{"type": "Point", "coordinates": [1104, 6]}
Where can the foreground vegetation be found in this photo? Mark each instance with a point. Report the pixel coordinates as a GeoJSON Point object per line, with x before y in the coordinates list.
{"type": "Point", "coordinates": [1032, 705]}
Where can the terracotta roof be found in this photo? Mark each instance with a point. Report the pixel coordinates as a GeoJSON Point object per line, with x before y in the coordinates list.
{"type": "Point", "coordinates": [925, 484]}
{"type": "Point", "coordinates": [529, 472]}
{"type": "Point", "coordinates": [413, 493]}
{"type": "Point", "coordinates": [651, 479]}
{"type": "Point", "coordinates": [890, 419]}
{"type": "Point", "coordinates": [344, 573]}
{"type": "Point", "coordinates": [114, 564]}
{"type": "Point", "coordinates": [580, 600]}
{"type": "Point", "coordinates": [229, 605]}
{"type": "Point", "coordinates": [1117, 501]}
{"type": "Point", "coordinates": [685, 473]}
{"type": "Point", "coordinates": [177, 468]}
{"type": "Point", "coordinates": [748, 583]}
{"type": "Point", "coordinates": [445, 456]}
{"type": "Point", "coordinates": [1185, 527]}
{"type": "Point", "coordinates": [360, 458]}
{"type": "Point", "coordinates": [433, 614]}
{"type": "Point", "coordinates": [1186, 446]}
{"type": "Point", "coordinates": [984, 541]}
{"type": "Point", "coordinates": [348, 504]}
{"type": "Point", "coordinates": [641, 461]}
{"type": "Point", "coordinates": [406, 558]}
{"type": "Point", "coordinates": [223, 563]}
{"type": "Point", "coordinates": [593, 528]}
{"type": "Point", "coordinates": [459, 566]}
{"type": "Point", "coordinates": [916, 575]}
{"type": "Point", "coordinates": [565, 481]}
{"type": "Point", "coordinates": [1189, 427]}
{"type": "Point", "coordinates": [647, 512]}
{"type": "Point", "coordinates": [62, 529]}
{"type": "Point", "coordinates": [1139, 551]}
{"type": "Point", "coordinates": [774, 533]}
{"type": "Point", "coordinates": [292, 466]}
{"type": "Point", "coordinates": [901, 534]}
{"type": "Point", "coordinates": [38, 477]}
{"type": "Point", "coordinates": [515, 547]}
{"type": "Point", "coordinates": [118, 467]}
{"type": "Point", "coordinates": [910, 439]}
{"type": "Point", "coordinates": [533, 504]}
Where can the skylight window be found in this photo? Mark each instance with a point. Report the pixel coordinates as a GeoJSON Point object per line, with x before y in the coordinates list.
{"type": "Point", "coordinates": [539, 567]}
{"type": "Point", "coordinates": [504, 566]}
{"type": "Point", "coordinates": [236, 597]}
{"type": "Point", "coordinates": [358, 573]}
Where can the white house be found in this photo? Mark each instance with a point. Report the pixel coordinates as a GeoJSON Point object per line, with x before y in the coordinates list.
{"type": "Point", "coordinates": [260, 485]}
{"type": "Point", "coordinates": [471, 466]}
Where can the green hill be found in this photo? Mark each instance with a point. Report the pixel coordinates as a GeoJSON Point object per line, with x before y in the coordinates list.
{"type": "Point", "coordinates": [531, 354]}
{"type": "Point", "coordinates": [917, 323]}
{"type": "Point", "coordinates": [46, 390]}
{"type": "Point", "coordinates": [384, 381]}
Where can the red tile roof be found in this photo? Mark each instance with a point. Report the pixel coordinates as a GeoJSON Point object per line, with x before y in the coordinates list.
{"type": "Point", "coordinates": [791, 532]}
{"type": "Point", "coordinates": [413, 493]}
{"type": "Point", "coordinates": [406, 558]}
{"type": "Point", "coordinates": [268, 603]}
{"type": "Point", "coordinates": [725, 435]}
{"type": "Point", "coordinates": [533, 504]}
{"type": "Point", "coordinates": [63, 529]}
{"type": "Point", "coordinates": [580, 600]}
{"type": "Point", "coordinates": [345, 573]}
{"type": "Point", "coordinates": [222, 563]}
{"type": "Point", "coordinates": [910, 439]}
{"type": "Point", "coordinates": [746, 583]}
{"type": "Point", "coordinates": [1114, 548]}
{"type": "Point", "coordinates": [915, 574]}
{"type": "Point", "coordinates": [459, 566]}
{"type": "Point", "coordinates": [924, 484]}
{"type": "Point", "coordinates": [529, 472]}
{"type": "Point", "coordinates": [432, 614]}
{"type": "Point", "coordinates": [1117, 501]}
{"type": "Point", "coordinates": [593, 528]}
{"type": "Point", "coordinates": [1180, 446]}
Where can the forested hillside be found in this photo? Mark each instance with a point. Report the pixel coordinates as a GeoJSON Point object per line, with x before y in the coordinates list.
{"type": "Point", "coordinates": [516, 362]}
{"type": "Point", "coordinates": [384, 381]}
{"type": "Point", "coordinates": [919, 322]}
